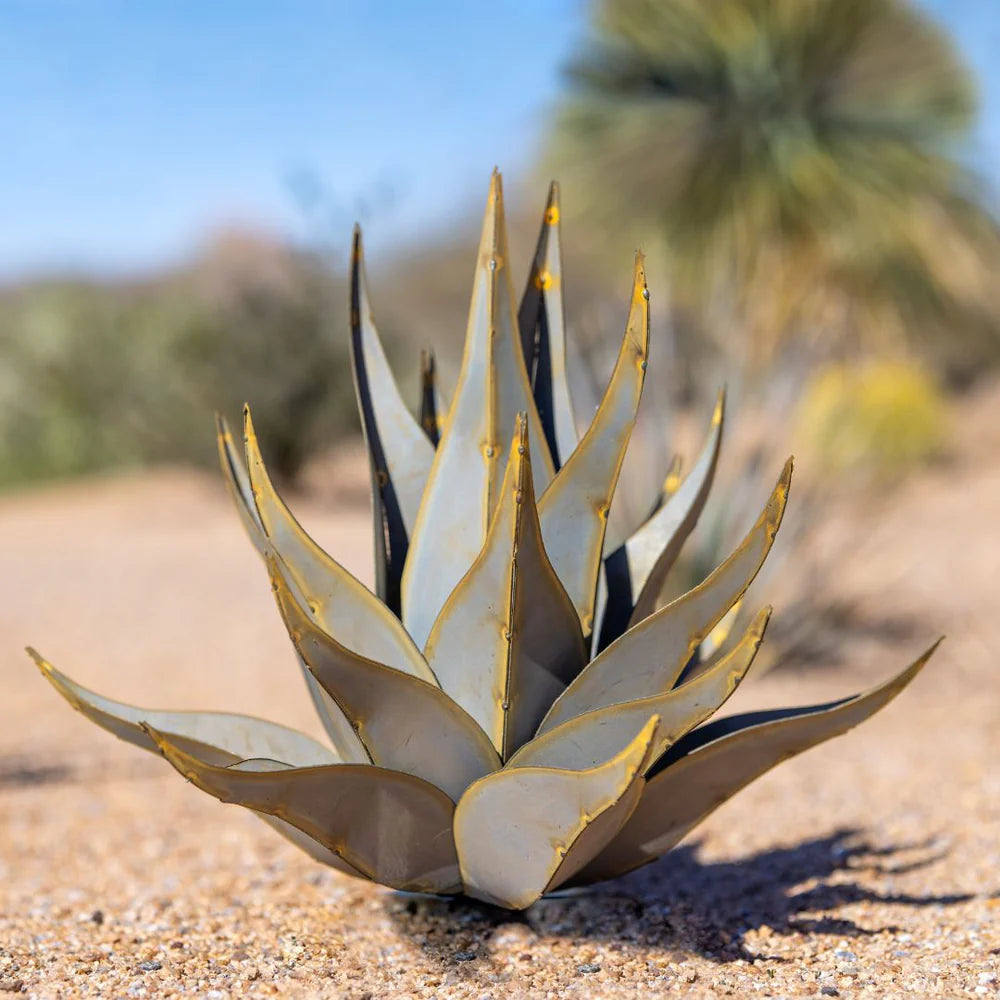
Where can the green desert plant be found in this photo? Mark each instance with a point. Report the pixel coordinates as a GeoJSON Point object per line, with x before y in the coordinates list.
{"type": "Point", "coordinates": [95, 376]}
{"type": "Point", "coordinates": [504, 716]}
{"type": "Point", "coordinates": [796, 162]}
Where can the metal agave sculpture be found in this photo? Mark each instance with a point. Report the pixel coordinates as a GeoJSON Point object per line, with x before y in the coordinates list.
{"type": "Point", "coordinates": [512, 713]}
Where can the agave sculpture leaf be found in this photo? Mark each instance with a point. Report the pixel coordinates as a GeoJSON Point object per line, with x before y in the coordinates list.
{"type": "Point", "coordinates": [510, 712]}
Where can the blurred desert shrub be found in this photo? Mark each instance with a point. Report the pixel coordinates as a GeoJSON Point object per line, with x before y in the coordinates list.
{"type": "Point", "coordinates": [794, 168]}
{"type": "Point", "coordinates": [878, 420]}
{"type": "Point", "coordinates": [95, 376]}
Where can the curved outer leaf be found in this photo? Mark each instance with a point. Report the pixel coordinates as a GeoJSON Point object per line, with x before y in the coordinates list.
{"type": "Point", "coordinates": [432, 406]}
{"type": "Point", "coordinates": [399, 453]}
{"type": "Point", "coordinates": [650, 656]}
{"type": "Point", "coordinates": [392, 827]}
{"type": "Point", "coordinates": [518, 829]}
{"type": "Point", "coordinates": [404, 723]}
{"type": "Point", "coordinates": [543, 336]}
{"type": "Point", "coordinates": [220, 737]}
{"type": "Point", "coordinates": [637, 569]}
{"type": "Point", "coordinates": [238, 736]}
{"type": "Point", "coordinates": [713, 763]}
{"type": "Point", "coordinates": [587, 739]}
{"type": "Point", "coordinates": [508, 640]}
{"type": "Point", "coordinates": [301, 840]}
{"type": "Point", "coordinates": [234, 472]}
{"type": "Point", "coordinates": [574, 509]}
{"type": "Point", "coordinates": [340, 604]}
{"type": "Point", "coordinates": [463, 487]}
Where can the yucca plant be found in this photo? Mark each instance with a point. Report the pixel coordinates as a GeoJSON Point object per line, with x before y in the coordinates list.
{"type": "Point", "coordinates": [509, 715]}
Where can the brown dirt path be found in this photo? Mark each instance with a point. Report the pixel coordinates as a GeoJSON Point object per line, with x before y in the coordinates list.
{"type": "Point", "coordinates": [867, 867]}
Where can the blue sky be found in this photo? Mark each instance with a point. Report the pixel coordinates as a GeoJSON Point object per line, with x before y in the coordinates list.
{"type": "Point", "coordinates": [134, 127]}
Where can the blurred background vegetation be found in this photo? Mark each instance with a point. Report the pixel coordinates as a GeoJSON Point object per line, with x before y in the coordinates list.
{"type": "Point", "coordinates": [795, 169]}
{"type": "Point", "coordinates": [102, 375]}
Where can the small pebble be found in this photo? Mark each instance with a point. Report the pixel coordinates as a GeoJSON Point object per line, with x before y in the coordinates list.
{"type": "Point", "coordinates": [829, 991]}
{"type": "Point", "coordinates": [464, 956]}
{"type": "Point", "coordinates": [150, 966]}
{"type": "Point", "coordinates": [588, 967]}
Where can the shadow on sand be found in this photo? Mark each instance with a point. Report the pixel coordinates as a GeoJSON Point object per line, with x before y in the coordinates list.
{"type": "Point", "coordinates": [20, 772]}
{"type": "Point", "coordinates": [684, 905]}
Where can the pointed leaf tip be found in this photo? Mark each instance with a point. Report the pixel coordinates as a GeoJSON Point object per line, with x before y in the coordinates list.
{"type": "Point", "coordinates": [40, 661]}
{"type": "Point", "coordinates": [494, 199]}
{"type": "Point", "coordinates": [552, 208]}
{"type": "Point", "coordinates": [462, 492]}
{"type": "Point", "coordinates": [719, 413]}
{"type": "Point", "coordinates": [541, 324]}
{"type": "Point", "coordinates": [575, 507]}
{"type": "Point", "coordinates": [340, 604]}
{"type": "Point", "coordinates": [400, 452]}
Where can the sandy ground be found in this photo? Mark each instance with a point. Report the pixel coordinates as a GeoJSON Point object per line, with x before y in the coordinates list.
{"type": "Point", "coordinates": [867, 867]}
